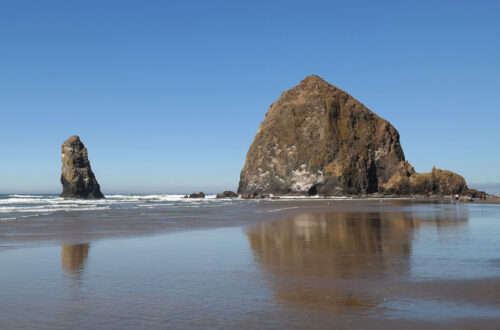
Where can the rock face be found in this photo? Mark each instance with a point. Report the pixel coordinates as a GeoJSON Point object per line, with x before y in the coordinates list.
{"type": "Point", "coordinates": [77, 178]}
{"type": "Point", "coordinates": [317, 139]}
{"type": "Point", "coordinates": [439, 182]}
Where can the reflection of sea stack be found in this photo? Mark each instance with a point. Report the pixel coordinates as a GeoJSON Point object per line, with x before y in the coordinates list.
{"type": "Point", "coordinates": [323, 258]}
{"type": "Point", "coordinates": [318, 253]}
{"type": "Point", "coordinates": [73, 257]}
{"type": "Point", "coordinates": [338, 245]}
{"type": "Point", "coordinates": [318, 139]}
{"type": "Point", "coordinates": [77, 177]}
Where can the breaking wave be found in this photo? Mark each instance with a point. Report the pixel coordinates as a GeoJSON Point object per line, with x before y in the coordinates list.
{"type": "Point", "coordinates": [17, 206]}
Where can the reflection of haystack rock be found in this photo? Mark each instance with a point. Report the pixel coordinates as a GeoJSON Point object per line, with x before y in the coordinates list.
{"type": "Point", "coordinates": [73, 257]}
{"type": "Point", "coordinates": [320, 259]}
{"type": "Point", "coordinates": [339, 245]}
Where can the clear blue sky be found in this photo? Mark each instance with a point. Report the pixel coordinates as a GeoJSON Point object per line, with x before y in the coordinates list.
{"type": "Point", "coordinates": [168, 95]}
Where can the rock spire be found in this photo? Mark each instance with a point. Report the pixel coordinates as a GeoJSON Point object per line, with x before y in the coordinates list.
{"type": "Point", "coordinates": [77, 178]}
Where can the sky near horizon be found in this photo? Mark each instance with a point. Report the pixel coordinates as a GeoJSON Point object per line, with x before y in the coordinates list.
{"type": "Point", "coordinates": [168, 95]}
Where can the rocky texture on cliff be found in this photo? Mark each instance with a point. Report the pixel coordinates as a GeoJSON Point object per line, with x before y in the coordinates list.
{"type": "Point", "coordinates": [77, 178]}
{"type": "Point", "coordinates": [439, 182]}
{"type": "Point", "coordinates": [317, 139]}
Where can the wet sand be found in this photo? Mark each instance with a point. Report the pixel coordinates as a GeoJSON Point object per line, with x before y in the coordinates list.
{"type": "Point", "coordinates": [309, 264]}
{"type": "Point", "coordinates": [87, 226]}
{"type": "Point", "coordinates": [494, 200]}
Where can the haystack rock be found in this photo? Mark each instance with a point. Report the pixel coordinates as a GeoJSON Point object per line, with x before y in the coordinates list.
{"type": "Point", "coordinates": [317, 139]}
{"type": "Point", "coordinates": [77, 177]}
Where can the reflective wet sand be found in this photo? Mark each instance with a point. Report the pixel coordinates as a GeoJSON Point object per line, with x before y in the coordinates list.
{"type": "Point", "coordinates": [86, 226]}
{"type": "Point", "coordinates": [377, 264]}
{"type": "Point", "coordinates": [392, 267]}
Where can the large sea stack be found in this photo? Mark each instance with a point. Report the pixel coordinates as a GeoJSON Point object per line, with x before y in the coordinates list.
{"type": "Point", "coordinates": [77, 178]}
{"type": "Point", "coordinates": [317, 139]}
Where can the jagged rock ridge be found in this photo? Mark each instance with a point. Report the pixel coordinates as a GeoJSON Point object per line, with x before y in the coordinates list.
{"type": "Point", "coordinates": [77, 178]}
{"type": "Point", "coordinates": [317, 139]}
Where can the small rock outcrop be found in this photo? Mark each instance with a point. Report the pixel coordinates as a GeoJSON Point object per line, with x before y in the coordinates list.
{"type": "Point", "coordinates": [258, 196]}
{"type": "Point", "coordinates": [197, 195]}
{"type": "Point", "coordinates": [317, 139]}
{"type": "Point", "coordinates": [438, 182]}
{"type": "Point", "coordinates": [77, 178]}
{"type": "Point", "coordinates": [474, 193]}
{"type": "Point", "coordinates": [254, 195]}
{"type": "Point", "coordinates": [227, 194]}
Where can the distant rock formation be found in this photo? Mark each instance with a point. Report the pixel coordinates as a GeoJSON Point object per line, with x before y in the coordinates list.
{"type": "Point", "coordinates": [317, 139]}
{"type": "Point", "coordinates": [77, 178]}
{"type": "Point", "coordinates": [197, 195]}
{"type": "Point", "coordinates": [227, 194]}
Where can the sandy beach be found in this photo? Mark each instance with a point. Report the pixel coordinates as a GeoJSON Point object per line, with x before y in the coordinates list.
{"type": "Point", "coordinates": [493, 200]}
{"type": "Point", "coordinates": [366, 264]}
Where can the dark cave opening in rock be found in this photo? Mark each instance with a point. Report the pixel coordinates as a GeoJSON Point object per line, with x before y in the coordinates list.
{"type": "Point", "coordinates": [313, 191]}
{"type": "Point", "coordinates": [372, 179]}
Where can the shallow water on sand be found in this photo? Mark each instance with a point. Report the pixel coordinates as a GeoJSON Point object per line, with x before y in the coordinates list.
{"type": "Point", "coordinates": [431, 265]}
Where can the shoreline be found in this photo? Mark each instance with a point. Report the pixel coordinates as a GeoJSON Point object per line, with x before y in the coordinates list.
{"type": "Point", "coordinates": [74, 227]}
{"type": "Point", "coordinates": [82, 226]}
{"type": "Point", "coordinates": [493, 200]}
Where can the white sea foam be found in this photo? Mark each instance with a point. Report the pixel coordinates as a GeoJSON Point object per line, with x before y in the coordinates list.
{"type": "Point", "coordinates": [20, 201]}
{"type": "Point", "coordinates": [27, 204]}
{"type": "Point", "coordinates": [283, 209]}
{"type": "Point", "coordinates": [313, 197]}
{"type": "Point", "coordinates": [18, 206]}
{"type": "Point", "coordinates": [46, 209]}
{"type": "Point", "coordinates": [171, 198]}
